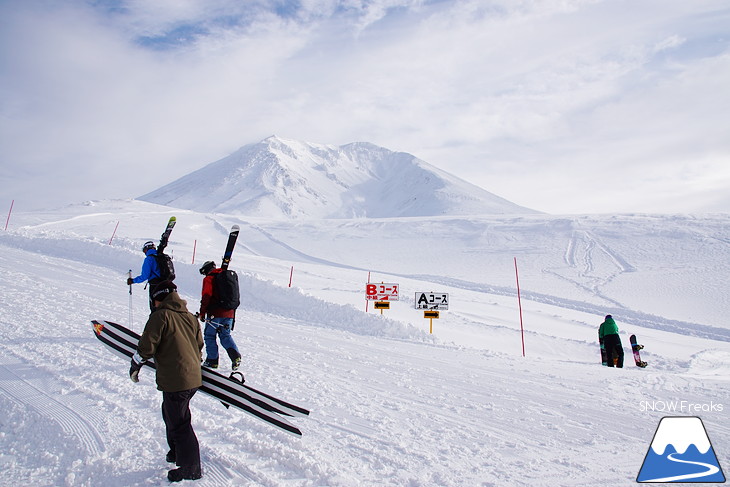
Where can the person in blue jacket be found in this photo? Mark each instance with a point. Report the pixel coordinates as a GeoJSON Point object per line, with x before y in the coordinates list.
{"type": "Point", "coordinates": [150, 270]}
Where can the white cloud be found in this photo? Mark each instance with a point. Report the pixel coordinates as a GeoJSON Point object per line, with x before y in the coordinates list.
{"type": "Point", "coordinates": [538, 101]}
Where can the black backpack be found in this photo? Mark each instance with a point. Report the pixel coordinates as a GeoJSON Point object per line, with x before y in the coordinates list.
{"type": "Point", "coordinates": [165, 266]}
{"type": "Point", "coordinates": [225, 290]}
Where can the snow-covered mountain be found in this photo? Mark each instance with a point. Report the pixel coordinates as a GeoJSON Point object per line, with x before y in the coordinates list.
{"type": "Point", "coordinates": [292, 179]}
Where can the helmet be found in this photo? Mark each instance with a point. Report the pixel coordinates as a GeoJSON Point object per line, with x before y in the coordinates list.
{"type": "Point", "coordinates": [149, 244]}
{"type": "Point", "coordinates": [207, 267]}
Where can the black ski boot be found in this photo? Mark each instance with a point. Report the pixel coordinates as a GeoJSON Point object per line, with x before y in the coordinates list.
{"type": "Point", "coordinates": [235, 358]}
{"type": "Point", "coordinates": [211, 363]}
{"type": "Point", "coordinates": [184, 473]}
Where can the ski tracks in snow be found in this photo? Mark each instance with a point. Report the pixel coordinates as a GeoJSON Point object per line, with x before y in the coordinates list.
{"type": "Point", "coordinates": [46, 409]}
{"type": "Point", "coordinates": [597, 265]}
{"type": "Point", "coordinates": [29, 386]}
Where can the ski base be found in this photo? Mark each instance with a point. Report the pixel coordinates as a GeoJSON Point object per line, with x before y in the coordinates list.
{"type": "Point", "coordinates": [230, 245]}
{"type": "Point", "coordinates": [227, 390]}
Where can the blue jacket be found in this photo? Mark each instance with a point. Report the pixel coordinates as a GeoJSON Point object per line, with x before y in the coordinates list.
{"type": "Point", "coordinates": [150, 270]}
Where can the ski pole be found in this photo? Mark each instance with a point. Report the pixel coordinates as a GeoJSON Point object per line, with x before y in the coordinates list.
{"type": "Point", "coordinates": [130, 300]}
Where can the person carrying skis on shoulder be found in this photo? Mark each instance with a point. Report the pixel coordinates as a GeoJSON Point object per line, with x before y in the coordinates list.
{"type": "Point", "coordinates": [150, 270]}
{"type": "Point", "coordinates": [218, 318]}
{"type": "Point", "coordinates": [608, 332]}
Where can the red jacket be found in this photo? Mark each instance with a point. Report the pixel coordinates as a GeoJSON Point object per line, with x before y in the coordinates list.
{"type": "Point", "coordinates": [207, 298]}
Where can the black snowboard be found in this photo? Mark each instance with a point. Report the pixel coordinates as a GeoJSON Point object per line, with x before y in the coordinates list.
{"type": "Point", "coordinates": [635, 347]}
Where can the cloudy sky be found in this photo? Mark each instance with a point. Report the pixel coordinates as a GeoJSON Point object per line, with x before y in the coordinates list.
{"type": "Point", "coordinates": [565, 106]}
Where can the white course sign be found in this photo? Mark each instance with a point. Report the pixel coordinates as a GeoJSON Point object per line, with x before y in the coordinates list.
{"type": "Point", "coordinates": [432, 300]}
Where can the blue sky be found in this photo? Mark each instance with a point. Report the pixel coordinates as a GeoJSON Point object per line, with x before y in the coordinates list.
{"type": "Point", "coordinates": [565, 106]}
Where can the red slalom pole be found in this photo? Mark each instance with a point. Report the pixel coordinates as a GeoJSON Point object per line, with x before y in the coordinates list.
{"type": "Point", "coordinates": [114, 233]}
{"type": "Point", "coordinates": [519, 301]}
{"type": "Point", "coordinates": [9, 212]}
{"type": "Point", "coordinates": [367, 301]}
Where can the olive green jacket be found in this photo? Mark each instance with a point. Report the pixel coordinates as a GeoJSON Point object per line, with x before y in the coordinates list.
{"type": "Point", "coordinates": [172, 336]}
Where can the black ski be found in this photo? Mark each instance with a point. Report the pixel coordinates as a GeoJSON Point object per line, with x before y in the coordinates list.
{"type": "Point", "coordinates": [165, 265]}
{"type": "Point", "coordinates": [130, 338]}
{"type": "Point", "coordinates": [229, 391]}
{"type": "Point", "coordinates": [166, 234]}
{"type": "Point", "coordinates": [232, 237]}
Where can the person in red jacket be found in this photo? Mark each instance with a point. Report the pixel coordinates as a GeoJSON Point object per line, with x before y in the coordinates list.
{"type": "Point", "coordinates": [218, 321]}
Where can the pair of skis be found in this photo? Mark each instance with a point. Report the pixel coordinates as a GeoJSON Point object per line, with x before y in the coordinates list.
{"type": "Point", "coordinates": [166, 234]}
{"type": "Point", "coordinates": [229, 391]}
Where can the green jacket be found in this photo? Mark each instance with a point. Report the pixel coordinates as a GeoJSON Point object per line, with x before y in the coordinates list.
{"type": "Point", "coordinates": [172, 336]}
{"type": "Point", "coordinates": [608, 327]}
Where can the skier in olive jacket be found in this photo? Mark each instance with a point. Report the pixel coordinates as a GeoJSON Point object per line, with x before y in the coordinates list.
{"type": "Point", "coordinates": [172, 336]}
{"type": "Point", "coordinates": [608, 332]}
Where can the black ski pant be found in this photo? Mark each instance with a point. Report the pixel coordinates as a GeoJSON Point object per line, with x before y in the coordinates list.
{"type": "Point", "coordinates": [179, 427]}
{"type": "Point", "coordinates": [613, 347]}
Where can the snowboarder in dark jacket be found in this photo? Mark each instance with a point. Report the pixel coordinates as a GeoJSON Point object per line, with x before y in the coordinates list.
{"type": "Point", "coordinates": [150, 270]}
{"type": "Point", "coordinates": [608, 332]}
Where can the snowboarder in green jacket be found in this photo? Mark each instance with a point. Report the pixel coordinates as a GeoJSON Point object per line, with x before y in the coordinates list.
{"type": "Point", "coordinates": [608, 333]}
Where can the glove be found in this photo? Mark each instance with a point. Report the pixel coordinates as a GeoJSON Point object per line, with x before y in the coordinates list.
{"type": "Point", "coordinates": [129, 281]}
{"type": "Point", "coordinates": [200, 317]}
{"type": "Point", "coordinates": [135, 366]}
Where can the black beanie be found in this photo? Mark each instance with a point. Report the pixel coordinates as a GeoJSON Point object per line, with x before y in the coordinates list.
{"type": "Point", "coordinates": [162, 289]}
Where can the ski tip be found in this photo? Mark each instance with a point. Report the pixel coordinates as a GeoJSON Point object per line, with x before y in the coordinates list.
{"type": "Point", "coordinates": [235, 228]}
{"type": "Point", "coordinates": [98, 326]}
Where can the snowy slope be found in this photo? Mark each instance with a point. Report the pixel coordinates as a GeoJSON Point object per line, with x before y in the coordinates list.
{"type": "Point", "coordinates": [391, 404]}
{"type": "Point", "coordinates": [292, 179]}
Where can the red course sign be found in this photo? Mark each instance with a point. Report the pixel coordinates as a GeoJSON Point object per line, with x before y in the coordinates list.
{"type": "Point", "coordinates": [381, 292]}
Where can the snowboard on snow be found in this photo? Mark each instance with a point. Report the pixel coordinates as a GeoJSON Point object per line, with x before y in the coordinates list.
{"type": "Point", "coordinates": [228, 390]}
{"type": "Point", "coordinates": [635, 347]}
{"type": "Point", "coordinates": [604, 360]}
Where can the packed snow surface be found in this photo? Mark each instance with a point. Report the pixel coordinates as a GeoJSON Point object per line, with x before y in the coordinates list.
{"type": "Point", "coordinates": [391, 404]}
